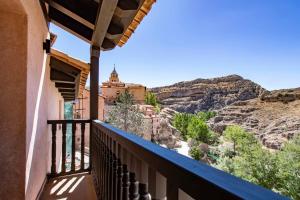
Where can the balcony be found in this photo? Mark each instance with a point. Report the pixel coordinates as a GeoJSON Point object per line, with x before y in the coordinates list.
{"type": "Point", "coordinates": [125, 166]}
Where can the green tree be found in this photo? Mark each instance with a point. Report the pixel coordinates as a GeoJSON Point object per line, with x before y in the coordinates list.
{"type": "Point", "coordinates": [197, 129]}
{"type": "Point", "coordinates": [181, 122]}
{"type": "Point", "coordinates": [151, 99]}
{"type": "Point", "coordinates": [239, 137]}
{"type": "Point", "coordinates": [125, 115]}
{"type": "Point", "coordinates": [289, 169]}
{"type": "Point", "coordinates": [258, 166]}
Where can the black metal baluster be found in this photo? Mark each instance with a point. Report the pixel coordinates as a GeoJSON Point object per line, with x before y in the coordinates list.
{"type": "Point", "coordinates": [125, 183]}
{"type": "Point", "coordinates": [73, 147]}
{"type": "Point", "coordinates": [53, 163]}
{"type": "Point", "coordinates": [133, 187]}
{"type": "Point", "coordinates": [82, 145]}
{"type": "Point", "coordinates": [144, 195]}
{"type": "Point", "coordinates": [64, 147]}
{"type": "Point", "coordinates": [119, 180]}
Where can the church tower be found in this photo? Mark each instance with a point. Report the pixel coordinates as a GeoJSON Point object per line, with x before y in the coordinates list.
{"type": "Point", "coordinates": [114, 77]}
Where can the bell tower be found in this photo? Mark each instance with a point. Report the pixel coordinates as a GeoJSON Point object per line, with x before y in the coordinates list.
{"type": "Point", "coordinates": [114, 77]}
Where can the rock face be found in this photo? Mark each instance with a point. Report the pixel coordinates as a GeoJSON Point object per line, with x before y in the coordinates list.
{"type": "Point", "coordinates": [167, 135]}
{"type": "Point", "coordinates": [207, 94]}
{"type": "Point", "coordinates": [273, 116]}
{"type": "Point", "coordinates": [273, 122]}
{"type": "Point", "coordinates": [285, 96]}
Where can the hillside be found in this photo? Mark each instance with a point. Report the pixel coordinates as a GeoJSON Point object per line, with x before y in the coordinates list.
{"type": "Point", "coordinates": [207, 94]}
{"type": "Point", "coordinates": [273, 116]}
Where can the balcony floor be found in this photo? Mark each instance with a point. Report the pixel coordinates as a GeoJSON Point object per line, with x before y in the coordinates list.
{"type": "Point", "coordinates": [73, 187]}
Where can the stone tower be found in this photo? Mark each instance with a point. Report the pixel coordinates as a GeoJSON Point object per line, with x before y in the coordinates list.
{"type": "Point", "coordinates": [114, 77]}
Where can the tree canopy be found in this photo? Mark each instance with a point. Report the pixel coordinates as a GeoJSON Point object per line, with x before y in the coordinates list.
{"type": "Point", "coordinates": [125, 115]}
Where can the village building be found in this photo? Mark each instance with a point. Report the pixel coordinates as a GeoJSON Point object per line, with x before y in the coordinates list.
{"type": "Point", "coordinates": [108, 94]}
{"type": "Point", "coordinates": [111, 89]}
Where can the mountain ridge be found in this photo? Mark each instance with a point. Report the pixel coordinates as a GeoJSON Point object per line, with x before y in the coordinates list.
{"type": "Point", "coordinates": [273, 116]}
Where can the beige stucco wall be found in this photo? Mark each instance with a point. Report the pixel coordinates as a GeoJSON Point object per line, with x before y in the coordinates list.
{"type": "Point", "coordinates": [111, 93]}
{"type": "Point", "coordinates": [24, 104]}
{"type": "Point", "coordinates": [13, 56]}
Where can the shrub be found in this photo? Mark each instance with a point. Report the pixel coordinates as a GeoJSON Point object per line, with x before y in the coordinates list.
{"type": "Point", "coordinates": [196, 153]}
{"type": "Point", "coordinates": [205, 116]}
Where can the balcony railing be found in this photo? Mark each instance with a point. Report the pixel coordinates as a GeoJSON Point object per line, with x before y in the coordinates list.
{"type": "Point", "coordinates": [125, 166]}
{"type": "Point", "coordinates": [63, 125]}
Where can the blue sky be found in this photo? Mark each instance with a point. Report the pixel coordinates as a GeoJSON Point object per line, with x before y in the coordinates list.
{"type": "Point", "coordinates": [188, 39]}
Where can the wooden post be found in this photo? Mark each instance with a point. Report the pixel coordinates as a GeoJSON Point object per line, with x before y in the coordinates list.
{"type": "Point", "coordinates": [63, 165]}
{"type": "Point", "coordinates": [53, 163]}
{"type": "Point", "coordinates": [94, 90]}
{"type": "Point", "coordinates": [94, 82]}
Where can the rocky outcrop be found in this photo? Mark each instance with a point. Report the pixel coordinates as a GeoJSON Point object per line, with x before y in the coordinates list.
{"type": "Point", "coordinates": [273, 116]}
{"type": "Point", "coordinates": [273, 122]}
{"type": "Point", "coordinates": [166, 134]}
{"type": "Point", "coordinates": [285, 96]}
{"type": "Point", "coordinates": [207, 94]}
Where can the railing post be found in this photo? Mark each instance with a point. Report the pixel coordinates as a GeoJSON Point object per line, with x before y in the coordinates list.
{"type": "Point", "coordinates": [63, 159]}
{"type": "Point", "coordinates": [143, 186]}
{"type": "Point", "coordinates": [73, 147]}
{"type": "Point", "coordinates": [82, 146]}
{"type": "Point", "coordinates": [53, 163]}
{"type": "Point", "coordinates": [125, 183]}
{"type": "Point", "coordinates": [133, 187]}
{"type": "Point", "coordinates": [114, 178]}
{"type": "Point", "coordinates": [172, 190]}
{"type": "Point", "coordinates": [157, 185]}
{"type": "Point", "coordinates": [119, 180]}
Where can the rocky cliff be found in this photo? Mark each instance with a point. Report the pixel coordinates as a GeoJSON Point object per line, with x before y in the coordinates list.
{"type": "Point", "coordinates": [207, 94]}
{"type": "Point", "coordinates": [273, 116]}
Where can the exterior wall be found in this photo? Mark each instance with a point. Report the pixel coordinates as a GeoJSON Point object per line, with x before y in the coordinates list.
{"type": "Point", "coordinates": [27, 93]}
{"type": "Point", "coordinates": [111, 93]}
{"type": "Point", "coordinates": [13, 56]}
{"type": "Point", "coordinates": [138, 92]}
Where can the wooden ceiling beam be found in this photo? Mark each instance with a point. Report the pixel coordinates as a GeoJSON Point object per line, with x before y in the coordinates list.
{"type": "Point", "coordinates": [128, 4]}
{"type": "Point", "coordinates": [105, 14]}
{"type": "Point", "coordinates": [64, 67]}
{"type": "Point", "coordinates": [65, 85]}
{"type": "Point", "coordinates": [85, 13]}
{"type": "Point", "coordinates": [71, 25]}
{"type": "Point", "coordinates": [115, 29]}
{"type": "Point", "coordinates": [108, 44]}
{"type": "Point", "coordinates": [61, 77]}
{"type": "Point", "coordinates": [66, 90]}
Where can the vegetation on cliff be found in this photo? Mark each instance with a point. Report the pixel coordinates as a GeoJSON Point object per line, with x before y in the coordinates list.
{"type": "Point", "coordinates": [238, 152]}
{"type": "Point", "coordinates": [277, 170]}
{"type": "Point", "coordinates": [151, 99]}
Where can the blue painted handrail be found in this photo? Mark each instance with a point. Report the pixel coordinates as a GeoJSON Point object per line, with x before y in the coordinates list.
{"type": "Point", "coordinates": [197, 179]}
